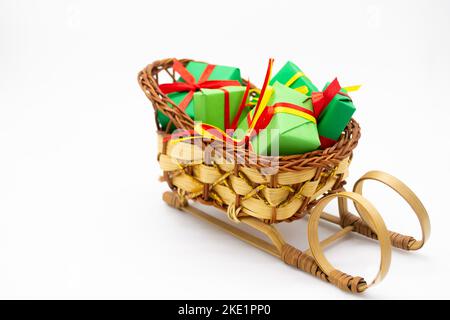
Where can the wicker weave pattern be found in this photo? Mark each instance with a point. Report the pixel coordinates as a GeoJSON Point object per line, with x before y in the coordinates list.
{"type": "Point", "coordinates": [243, 190]}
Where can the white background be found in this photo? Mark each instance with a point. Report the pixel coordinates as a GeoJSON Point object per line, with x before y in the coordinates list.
{"type": "Point", "coordinates": [81, 214]}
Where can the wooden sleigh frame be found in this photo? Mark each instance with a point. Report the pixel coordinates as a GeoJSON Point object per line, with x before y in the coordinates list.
{"type": "Point", "coordinates": [302, 185]}
{"type": "Point", "coordinates": [313, 260]}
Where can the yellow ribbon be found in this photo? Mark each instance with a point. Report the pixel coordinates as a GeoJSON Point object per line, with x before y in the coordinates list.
{"type": "Point", "coordinates": [295, 113]}
{"type": "Point", "coordinates": [255, 90]}
{"type": "Point", "coordinates": [206, 134]}
{"type": "Point", "coordinates": [262, 106]}
{"type": "Point", "coordinates": [295, 77]}
{"type": "Point", "coordinates": [352, 88]}
{"type": "Point", "coordinates": [305, 90]}
{"type": "Point", "coordinates": [254, 98]}
{"type": "Point", "coordinates": [302, 89]}
{"type": "Point", "coordinates": [172, 141]}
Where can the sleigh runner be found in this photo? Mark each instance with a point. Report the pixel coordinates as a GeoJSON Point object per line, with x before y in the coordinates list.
{"type": "Point", "coordinates": [250, 191]}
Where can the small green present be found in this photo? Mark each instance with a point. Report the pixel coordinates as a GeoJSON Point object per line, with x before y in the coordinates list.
{"type": "Point", "coordinates": [335, 115]}
{"type": "Point", "coordinates": [291, 76]}
{"type": "Point", "coordinates": [219, 107]}
{"type": "Point", "coordinates": [289, 125]}
{"type": "Point", "coordinates": [193, 77]}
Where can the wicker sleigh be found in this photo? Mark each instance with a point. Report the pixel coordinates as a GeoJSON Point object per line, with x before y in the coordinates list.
{"type": "Point", "coordinates": [262, 191]}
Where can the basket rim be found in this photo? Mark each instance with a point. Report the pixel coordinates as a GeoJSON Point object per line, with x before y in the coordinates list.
{"type": "Point", "coordinates": [328, 158]}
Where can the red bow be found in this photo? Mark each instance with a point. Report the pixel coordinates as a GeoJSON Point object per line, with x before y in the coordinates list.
{"type": "Point", "coordinates": [191, 85]}
{"type": "Point", "coordinates": [320, 101]}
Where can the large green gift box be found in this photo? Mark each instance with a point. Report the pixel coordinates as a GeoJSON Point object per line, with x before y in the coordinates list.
{"type": "Point", "coordinates": [286, 74]}
{"type": "Point", "coordinates": [210, 106]}
{"type": "Point", "coordinates": [197, 69]}
{"type": "Point", "coordinates": [289, 133]}
{"type": "Point", "coordinates": [336, 115]}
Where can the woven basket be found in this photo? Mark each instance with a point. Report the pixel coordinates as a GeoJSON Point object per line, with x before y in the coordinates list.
{"type": "Point", "coordinates": [260, 191]}
{"type": "Point", "coordinates": [245, 187]}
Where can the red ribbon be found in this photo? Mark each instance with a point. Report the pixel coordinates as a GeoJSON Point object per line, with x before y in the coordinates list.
{"type": "Point", "coordinates": [226, 111]}
{"type": "Point", "coordinates": [320, 101]}
{"type": "Point", "coordinates": [264, 87]}
{"type": "Point", "coordinates": [261, 95]}
{"type": "Point", "coordinates": [326, 142]}
{"type": "Point", "coordinates": [241, 108]}
{"type": "Point", "coordinates": [190, 85]}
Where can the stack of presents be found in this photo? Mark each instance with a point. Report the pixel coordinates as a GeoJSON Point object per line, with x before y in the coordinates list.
{"type": "Point", "coordinates": [287, 116]}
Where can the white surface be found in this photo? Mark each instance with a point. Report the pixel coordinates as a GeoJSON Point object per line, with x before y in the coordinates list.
{"type": "Point", "coordinates": [81, 214]}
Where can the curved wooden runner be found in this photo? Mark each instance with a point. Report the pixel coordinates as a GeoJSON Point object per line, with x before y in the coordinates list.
{"type": "Point", "coordinates": [313, 259]}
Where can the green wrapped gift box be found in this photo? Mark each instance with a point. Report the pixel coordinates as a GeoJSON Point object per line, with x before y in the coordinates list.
{"type": "Point", "coordinates": [336, 115]}
{"type": "Point", "coordinates": [196, 69]}
{"type": "Point", "coordinates": [176, 97]}
{"type": "Point", "coordinates": [289, 72]}
{"type": "Point", "coordinates": [243, 123]}
{"type": "Point", "coordinates": [210, 106]}
{"type": "Point", "coordinates": [287, 132]}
